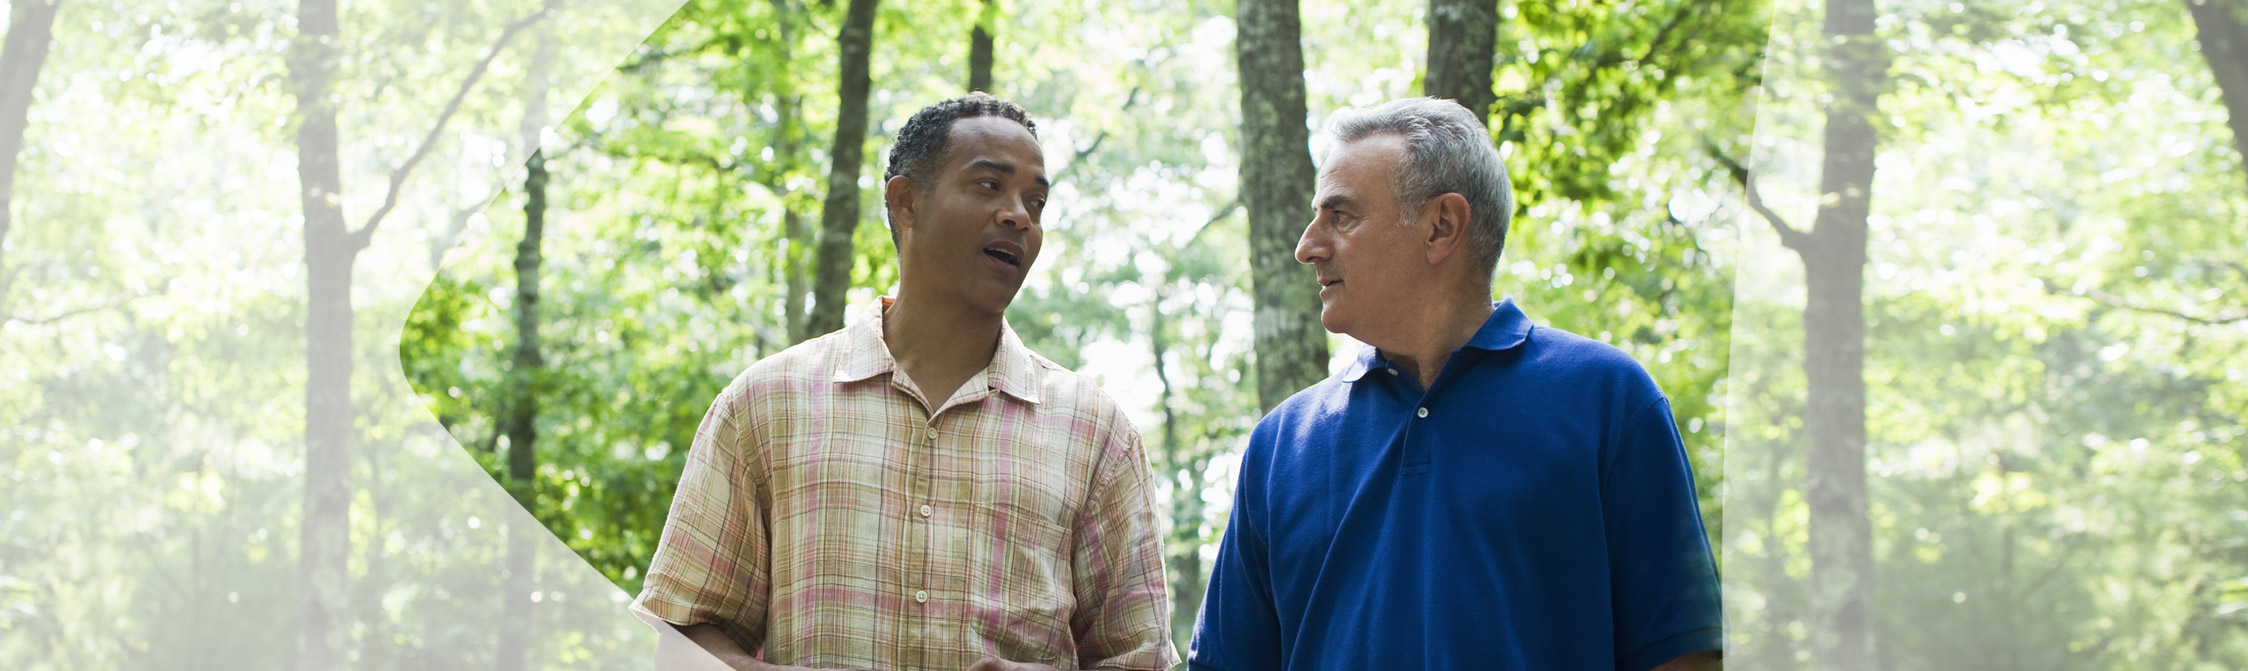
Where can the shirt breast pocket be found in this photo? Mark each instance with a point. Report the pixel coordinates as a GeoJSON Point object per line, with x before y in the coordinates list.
{"type": "Point", "coordinates": [1021, 541]}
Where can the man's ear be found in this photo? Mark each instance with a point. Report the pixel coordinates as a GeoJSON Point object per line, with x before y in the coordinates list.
{"type": "Point", "coordinates": [1447, 233]}
{"type": "Point", "coordinates": [901, 194]}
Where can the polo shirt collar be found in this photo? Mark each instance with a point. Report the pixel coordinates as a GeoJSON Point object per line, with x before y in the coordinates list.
{"type": "Point", "coordinates": [1014, 370]}
{"type": "Point", "coordinates": [1506, 328]}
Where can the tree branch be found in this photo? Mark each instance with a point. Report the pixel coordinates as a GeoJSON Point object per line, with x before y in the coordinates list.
{"type": "Point", "coordinates": [1790, 237]}
{"type": "Point", "coordinates": [1221, 214]}
{"type": "Point", "coordinates": [2114, 301]}
{"type": "Point", "coordinates": [1660, 35]}
{"type": "Point", "coordinates": [2046, 576]}
{"type": "Point", "coordinates": [113, 303]}
{"type": "Point", "coordinates": [1089, 149]}
{"type": "Point", "coordinates": [366, 232]}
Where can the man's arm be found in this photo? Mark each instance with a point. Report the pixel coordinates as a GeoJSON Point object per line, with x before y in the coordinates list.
{"type": "Point", "coordinates": [702, 647]}
{"type": "Point", "coordinates": [1239, 626]}
{"type": "Point", "coordinates": [1123, 613]}
{"type": "Point", "coordinates": [1666, 589]}
{"type": "Point", "coordinates": [711, 564]}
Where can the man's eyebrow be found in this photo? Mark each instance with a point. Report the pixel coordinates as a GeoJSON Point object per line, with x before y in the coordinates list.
{"type": "Point", "coordinates": [1333, 201]}
{"type": "Point", "coordinates": [1005, 169]}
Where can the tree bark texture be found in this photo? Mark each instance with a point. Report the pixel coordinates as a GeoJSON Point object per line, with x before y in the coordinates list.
{"type": "Point", "coordinates": [839, 218]}
{"type": "Point", "coordinates": [1463, 40]}
{"type": "Point", "coordinates": [1834, 258]}
{"type": "Point", "coordinates": [1276, 186]}
{"type": "Point", "coordinates": [2221, 26]}
{"type": "Point", "coordinates": [31, 31]}
{"type": "Point", "coordinates": [324, 541]}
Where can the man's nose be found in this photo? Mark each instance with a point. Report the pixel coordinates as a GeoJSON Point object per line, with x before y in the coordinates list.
{"type": "Point", "coordinates": [1015, 213]}
{"type": "Point", "coordinates": [1310, 247]}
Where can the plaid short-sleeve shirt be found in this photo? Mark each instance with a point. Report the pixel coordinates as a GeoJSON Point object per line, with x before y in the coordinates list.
{"type": "Point", "coordinates": [829, 518]}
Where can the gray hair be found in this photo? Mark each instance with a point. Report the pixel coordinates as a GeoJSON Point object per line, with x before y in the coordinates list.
{"type": "Point", "coordinates": [1446, 151]}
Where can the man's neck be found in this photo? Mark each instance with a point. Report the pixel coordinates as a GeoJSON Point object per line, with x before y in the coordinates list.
{"type": "Point", "coordinates": [938, 347]}
{"type": "Point", "coordinates": [1425, 341]}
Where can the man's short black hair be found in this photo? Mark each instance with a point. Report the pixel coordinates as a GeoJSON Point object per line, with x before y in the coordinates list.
{"type": "Point", "coordinates": [923, 139]}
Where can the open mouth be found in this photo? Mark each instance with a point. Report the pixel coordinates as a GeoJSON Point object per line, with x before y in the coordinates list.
{"type": "Point", "coordinates": [1006, 253]}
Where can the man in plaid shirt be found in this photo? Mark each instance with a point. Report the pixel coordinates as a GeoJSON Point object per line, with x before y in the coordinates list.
{"type": "Point", "coordinates": [919, 490]}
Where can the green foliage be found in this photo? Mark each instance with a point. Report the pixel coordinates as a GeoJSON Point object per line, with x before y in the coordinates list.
{"type": "Point", "coordinates": [2055, 363]}
{"type": "Point", "coordinates": [2055, 447]}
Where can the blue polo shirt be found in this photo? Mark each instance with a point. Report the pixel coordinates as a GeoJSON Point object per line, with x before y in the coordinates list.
{"type": "Point", "coordinates": [1533, 509]}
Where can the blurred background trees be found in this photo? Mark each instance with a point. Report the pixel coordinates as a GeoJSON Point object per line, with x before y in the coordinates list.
{"type": "Point", "coordinates": [2049, 225]}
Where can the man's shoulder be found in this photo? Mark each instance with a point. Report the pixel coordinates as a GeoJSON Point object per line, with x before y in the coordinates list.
{"type": "Point", "coordinates": [802, 367]}
{"type": "Point", "coordinates": [1563, 348]}
{"type": "Point", "coordinates": [1311, 409]}
{"type": "Point", "coordinates": [1071, 391]}
{"type": "Point", "coordinates": [1562, 355]}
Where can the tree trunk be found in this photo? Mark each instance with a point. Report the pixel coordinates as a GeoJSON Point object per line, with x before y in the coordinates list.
{"type": "Point", "coordinates": [2221, 26]}
{"type": "Point", "coordinates": [792, 226]}
{"type": "Point", "coordinates": [979, 51]}
{"type": "Point", "coordinates": [522, 427]}
{"type": "Point", "coordinates": [840, 215]}
{"type": "Point", "coordinates": [324, 541]}
{"type": "Point", "coordinates": [787, 145]}
{"type": "Point", "coordinates": [330, 249]}
{"type": "Point", "coordinates": [1276, 185]}
{"type": "Point", "coordinates": [522, 421]}
{"type": "Point", "coordinates": [1834, 259]}
{"type": "Point", "coordinates": [30, 30]}
{"type": "Point", "coordinates": [1463, 38]}
{"type": "Point", "coordinates": [1186, 517]}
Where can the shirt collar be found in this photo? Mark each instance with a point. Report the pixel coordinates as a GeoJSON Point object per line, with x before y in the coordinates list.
{"type": "Point", "coordinates": [1014, 370]}
{"type": "Point", "coordinates": [1506, 328]}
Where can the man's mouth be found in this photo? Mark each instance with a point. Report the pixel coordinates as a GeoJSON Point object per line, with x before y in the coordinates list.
{"type": "Point", "coordinates": [1006, 252]}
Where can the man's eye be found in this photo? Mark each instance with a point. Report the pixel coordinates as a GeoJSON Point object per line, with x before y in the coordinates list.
{"type": "Point", "coordinates": [989, 184]}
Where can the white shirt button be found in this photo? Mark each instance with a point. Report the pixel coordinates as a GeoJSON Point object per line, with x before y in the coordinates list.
{"type": "Point", "coordinates": [925, 510]}
{"type": "Point", "coordinates": [932, 434]}
{"type": "Point", "coordinates": [1423, 412]}
{"type": "Point", "coordinates": [1392, 371]}
{"type": "Point", "coordinates": [921, 596]}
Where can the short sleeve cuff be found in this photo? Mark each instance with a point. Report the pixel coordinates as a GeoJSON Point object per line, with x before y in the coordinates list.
{"type": "Point", "coordinates": [1155, 657]}
{"type": "Point", "coordinates": [1660, 652]}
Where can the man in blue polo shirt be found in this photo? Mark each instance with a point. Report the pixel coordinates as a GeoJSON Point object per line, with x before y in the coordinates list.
{"type": "Point", "coordinates": [1474, 491]}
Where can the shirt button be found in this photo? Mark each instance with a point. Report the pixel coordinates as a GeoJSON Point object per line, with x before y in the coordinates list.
{"type": "Point", "coordinates": [925, 510]}
{"type": "Point", "coordinates": [921, 596]}
{"type": "Point", "coordinates": [1392, 371]}
{"type": "Point", "coordinates": [932, 434]}
{"type": "Point", "coordinates": [1423, 412]}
